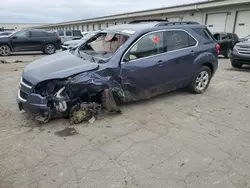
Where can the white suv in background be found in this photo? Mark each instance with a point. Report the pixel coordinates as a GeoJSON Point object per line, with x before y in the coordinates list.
{"type": "Point", "coordinates": [67, 35]}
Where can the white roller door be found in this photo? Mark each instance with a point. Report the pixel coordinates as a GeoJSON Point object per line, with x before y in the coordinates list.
{"type": "Point", "coordinates": [110, 24]}
{"type": "Point", "coordinates": [85, 28]}
{"type": "Point", "coordinates": [242, 27]}
{"type": "Point", "coordinates": [103, 25]}
{"type": "Point", "coordinates": [96, 27]}
{"type": "Point", "coordinates": [217, 22]}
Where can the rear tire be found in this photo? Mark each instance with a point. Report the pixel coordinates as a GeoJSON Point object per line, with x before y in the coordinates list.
{"type": "Point", "coordinates": [200, 80]}
{"type": "Point", "coordinates": [236, 64]}
{"type": "Point", "coordinates": [4, 50]}
{"type": "Point", "coordinates": [50, 49]}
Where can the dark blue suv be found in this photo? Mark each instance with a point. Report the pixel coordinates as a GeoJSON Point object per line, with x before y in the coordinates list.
{"type": "Point", "coordinates": [122, 63]}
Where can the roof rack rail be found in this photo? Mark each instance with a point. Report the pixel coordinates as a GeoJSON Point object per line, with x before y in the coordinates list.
{"type": "Point", "coordinates": [176, 23]}
{"type": "Point", "coordinates": [149, 20]}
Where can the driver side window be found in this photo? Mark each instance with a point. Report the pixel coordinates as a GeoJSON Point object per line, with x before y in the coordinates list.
{"type": "Point", "coordinates": [22, 34]}
{"type": "Point", "coordinates": [149, 45]}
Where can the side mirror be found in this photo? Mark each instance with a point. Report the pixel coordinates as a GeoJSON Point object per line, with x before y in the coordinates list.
{"type": "Point", "coordinates": [14, 37]}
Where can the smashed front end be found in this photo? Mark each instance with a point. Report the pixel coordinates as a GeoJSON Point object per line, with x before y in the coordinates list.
{"type": "Point", "coordinates": [78, 97]}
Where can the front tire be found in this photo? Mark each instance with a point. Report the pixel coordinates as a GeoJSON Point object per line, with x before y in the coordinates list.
{"type": "Point", "coordinates": [5, 50]}
{"type": "Point", "coordinates": [50, 49]}
{"type": "Point", "coordinates": [236, 64]}
{"type": "Point", "coordinates": [200, 80]}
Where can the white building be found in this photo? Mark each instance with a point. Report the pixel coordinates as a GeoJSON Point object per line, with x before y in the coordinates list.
{"type": "Point", "coordinates": [218, 15]}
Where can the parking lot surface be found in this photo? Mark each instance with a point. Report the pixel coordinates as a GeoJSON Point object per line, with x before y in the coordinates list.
{"type": "Point", "coordinates": [176, 140]}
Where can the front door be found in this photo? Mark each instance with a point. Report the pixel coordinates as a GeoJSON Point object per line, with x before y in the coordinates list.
{"type": "Point", "coordinates": [144, 68]}
{"type": "Point", "coordinates": [20, 41]}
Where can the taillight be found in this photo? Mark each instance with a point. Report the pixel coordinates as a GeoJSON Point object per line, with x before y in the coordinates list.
{"type": "Point", "coordinates": [59, 38]}
{"type": "Point", "coordinates": [217, 48]}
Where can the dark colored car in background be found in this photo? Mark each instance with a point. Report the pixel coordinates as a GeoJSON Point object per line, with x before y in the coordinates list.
{"type": "Point", "coordinates": [226, 41]}
{"type": "Point", "coordinates": [126, 62]}
{"type": "Point", "coordinates": [241, 54]}
{"type": "Point", "coordinates": [30, 40]}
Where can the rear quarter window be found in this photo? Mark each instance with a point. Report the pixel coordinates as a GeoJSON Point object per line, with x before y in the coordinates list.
{"type": "Point", "coordinates": [38, 34]}
{"type": "Point", "coordinates": [51, 34]}
{"type": "Point", "coordinates": [204, 33]}
{"type": "Point", "coordinates": [76, 33]}
{"type": "Point", "coordinates": [178, 40]}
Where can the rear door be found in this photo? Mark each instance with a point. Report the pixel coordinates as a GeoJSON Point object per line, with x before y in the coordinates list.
{"type": "Point", "coordinates": [68, 36]}
{"type": "Point", "coordinates": [20, 41]}
{"type": "Point", "coordinates": [37, 40]}
{"type": "Point", "coordinates": [181, 53]}
{"type": "Point", "coordinates": [61, 34]}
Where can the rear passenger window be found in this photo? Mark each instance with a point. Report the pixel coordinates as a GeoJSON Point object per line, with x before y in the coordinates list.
{"type": "Point", "coordinates": [204, 33]}
{"type": "Point", "coordinates": [61, 33]}
{"type": "Point", "coordinates": [149, 45]}
{"type": "Point", "coordinates": [178, 40]}
{"type": "Point", "coordinates": [68, 33]}
{"type": "Point", "coordinates": [76, 33]}
{"type": "Point", "coordinates": [36, 34]}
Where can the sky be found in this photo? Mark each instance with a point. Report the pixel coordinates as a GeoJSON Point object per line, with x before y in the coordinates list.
{"type": "Point", "coordinates": [54, 11]}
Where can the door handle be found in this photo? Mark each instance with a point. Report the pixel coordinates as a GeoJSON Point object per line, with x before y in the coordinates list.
{"type": "Point", "coordinates": [161, 62]}
{"type": "Point", "coordinates": [192, 52]}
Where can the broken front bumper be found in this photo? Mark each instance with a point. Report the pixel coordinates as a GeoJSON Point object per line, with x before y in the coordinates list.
{"type": "Point", "coordinates": [29, 101]}
{"type": "Point", "coordinates": [33, 103]}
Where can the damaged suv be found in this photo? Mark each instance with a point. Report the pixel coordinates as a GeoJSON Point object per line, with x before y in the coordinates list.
{"type": "Point", "coordinates": [122, 63]}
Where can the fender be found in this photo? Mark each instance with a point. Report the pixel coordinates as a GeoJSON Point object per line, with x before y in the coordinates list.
{"type": "Point", "coordinates": [206, 58]}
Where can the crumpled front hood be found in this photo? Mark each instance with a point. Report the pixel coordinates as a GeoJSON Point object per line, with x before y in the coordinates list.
{"type": "Point", "coordinates": [59, 65]}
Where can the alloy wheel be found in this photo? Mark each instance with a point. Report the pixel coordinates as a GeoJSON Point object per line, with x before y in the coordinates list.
{"type": "Point", "coordinates": [50, 49]}
{"type": "Point", "coordinates": [4, 50]}
{"type": "Point", "coordinates": [202, 80]}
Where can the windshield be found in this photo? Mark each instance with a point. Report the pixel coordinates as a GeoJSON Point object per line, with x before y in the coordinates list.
{"type": "Point", "coordinates": [105, 42]}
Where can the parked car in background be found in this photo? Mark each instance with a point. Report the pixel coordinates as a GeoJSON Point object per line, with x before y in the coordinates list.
{"type": "Point", "coordinates": [226, 42]}
{"type": "Point", "coordinates": [5, 33]}
{"type": "Point", "coordinates": [241, 54]}
{"type": "Point", "coordinates": [74, 43]}
{"type": "Point", "coordinates": [126, 62]}
{"type": "Point", "coordinates": [245, 38]}
{"type": "Point", "coordinates": [67, 35]}
{"type": "Point", "coordinates": [30, 40]}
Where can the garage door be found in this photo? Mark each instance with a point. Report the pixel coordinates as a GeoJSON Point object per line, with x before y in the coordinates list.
{"type": "Point", "coordinates": [242, 27]}
{"type": "Point", "coordinates": [103, 25]}
{"type": "Point", "coordinates": [96, 27]}
{"type": "Point", "coordinates": [110, 24]}
{"type": "Point", "coordinates": [217, 22]}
